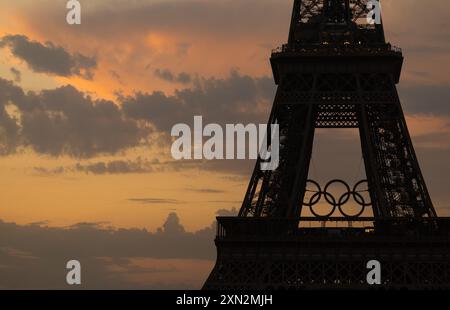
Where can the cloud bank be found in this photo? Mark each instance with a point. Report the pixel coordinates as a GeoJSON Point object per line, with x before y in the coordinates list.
{"type": "Point", "coordinates": [33, 256]}
{"type": "Point", "coordinates": [66, 121]}
{"type": "Point", "coordinates": [49, 58]}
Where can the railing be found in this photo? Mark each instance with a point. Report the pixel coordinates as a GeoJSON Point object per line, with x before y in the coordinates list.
{"type": "Point", "coordinates": [250, 228]}
{"type": "Point", "coordinates": [346, 49]}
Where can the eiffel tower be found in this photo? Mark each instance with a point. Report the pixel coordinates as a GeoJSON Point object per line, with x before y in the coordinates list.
{"type": "Point", "coordinates": [336, 71]}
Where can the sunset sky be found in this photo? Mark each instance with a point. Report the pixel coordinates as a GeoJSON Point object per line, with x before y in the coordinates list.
{"type": "Point", "coordinates": [85, 118]}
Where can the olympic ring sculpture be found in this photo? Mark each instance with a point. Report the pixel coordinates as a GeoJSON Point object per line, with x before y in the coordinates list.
{"type": "Point", "coordinates": [337, 203]}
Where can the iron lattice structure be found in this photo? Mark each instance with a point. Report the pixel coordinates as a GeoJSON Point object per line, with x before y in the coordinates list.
{"type": "Point", "coordinates": [336, 71]}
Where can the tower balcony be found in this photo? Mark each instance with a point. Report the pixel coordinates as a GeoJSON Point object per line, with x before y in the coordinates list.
{"type": "Point", "coordinates": [341, 49]}
{"type": "Point", "coordinates": [333, 58]}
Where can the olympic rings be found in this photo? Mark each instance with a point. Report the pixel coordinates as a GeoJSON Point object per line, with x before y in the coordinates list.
{"type": "Point", "coordinates": [337, 203]}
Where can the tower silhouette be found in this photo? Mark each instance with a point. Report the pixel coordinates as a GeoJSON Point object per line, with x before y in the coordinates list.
{"type": "Point", "coordinates": [336, 71]}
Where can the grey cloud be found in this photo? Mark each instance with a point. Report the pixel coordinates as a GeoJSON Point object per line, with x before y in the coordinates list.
{"type": "Point", "coordinates": [164, 74]}
{"type": "Point", "coordinates": [116, 76]}
{"type": "Point", "coordinates": [149, 201]}
{"type": "Point", "coordinates": [206, 190]}
{"type": "Point", "coordinates": [17, 74]}
{"type": "Point", "coordinates": [9, 133]}
{"type": "Point", "coordinates": [67, 121]}
{"type": "Point", "coordinates": [232, 168]}
{"type": "Point", "coordinates": [34, 256]}
{"type": "Point", "coordinates": [64, 121]}
{"type": "Point", "coordinates": [118, 167]}
{"type": "Point", "coordinates": [87, 225]}
{"type": "Point", "coordinates": [72, 106]}
{"type": "Point", "coordinates": [229, 18]}
{"type": "Point", "coordinates": [9, 129]}
{"type": "Point", "coordinates": [425, 99]}
{"type": "Point", "coordinates": [49, 58]}
{"type": "Point", "coordinates": [226, 212]}
{"type": "Point", "coordinates": [238, 98]}
{"type": "Point", "coordinates": [105, 167]}
{"type": "Point", "coordinates": [171, 240]}
{"type": "Point", "coordinates": [43, 171]}
{"type": "Point", "coordinates": [239, 168]}
{"type": "Point", "coordinates": [40, 223]}
{"type": "Point", "coordinates": [184, 78]}
{"type": "Point", "coordinates": [167, 75]}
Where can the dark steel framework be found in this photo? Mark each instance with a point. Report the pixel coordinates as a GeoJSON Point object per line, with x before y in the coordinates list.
{"type": "Point", "coordinates": [336, 71]}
